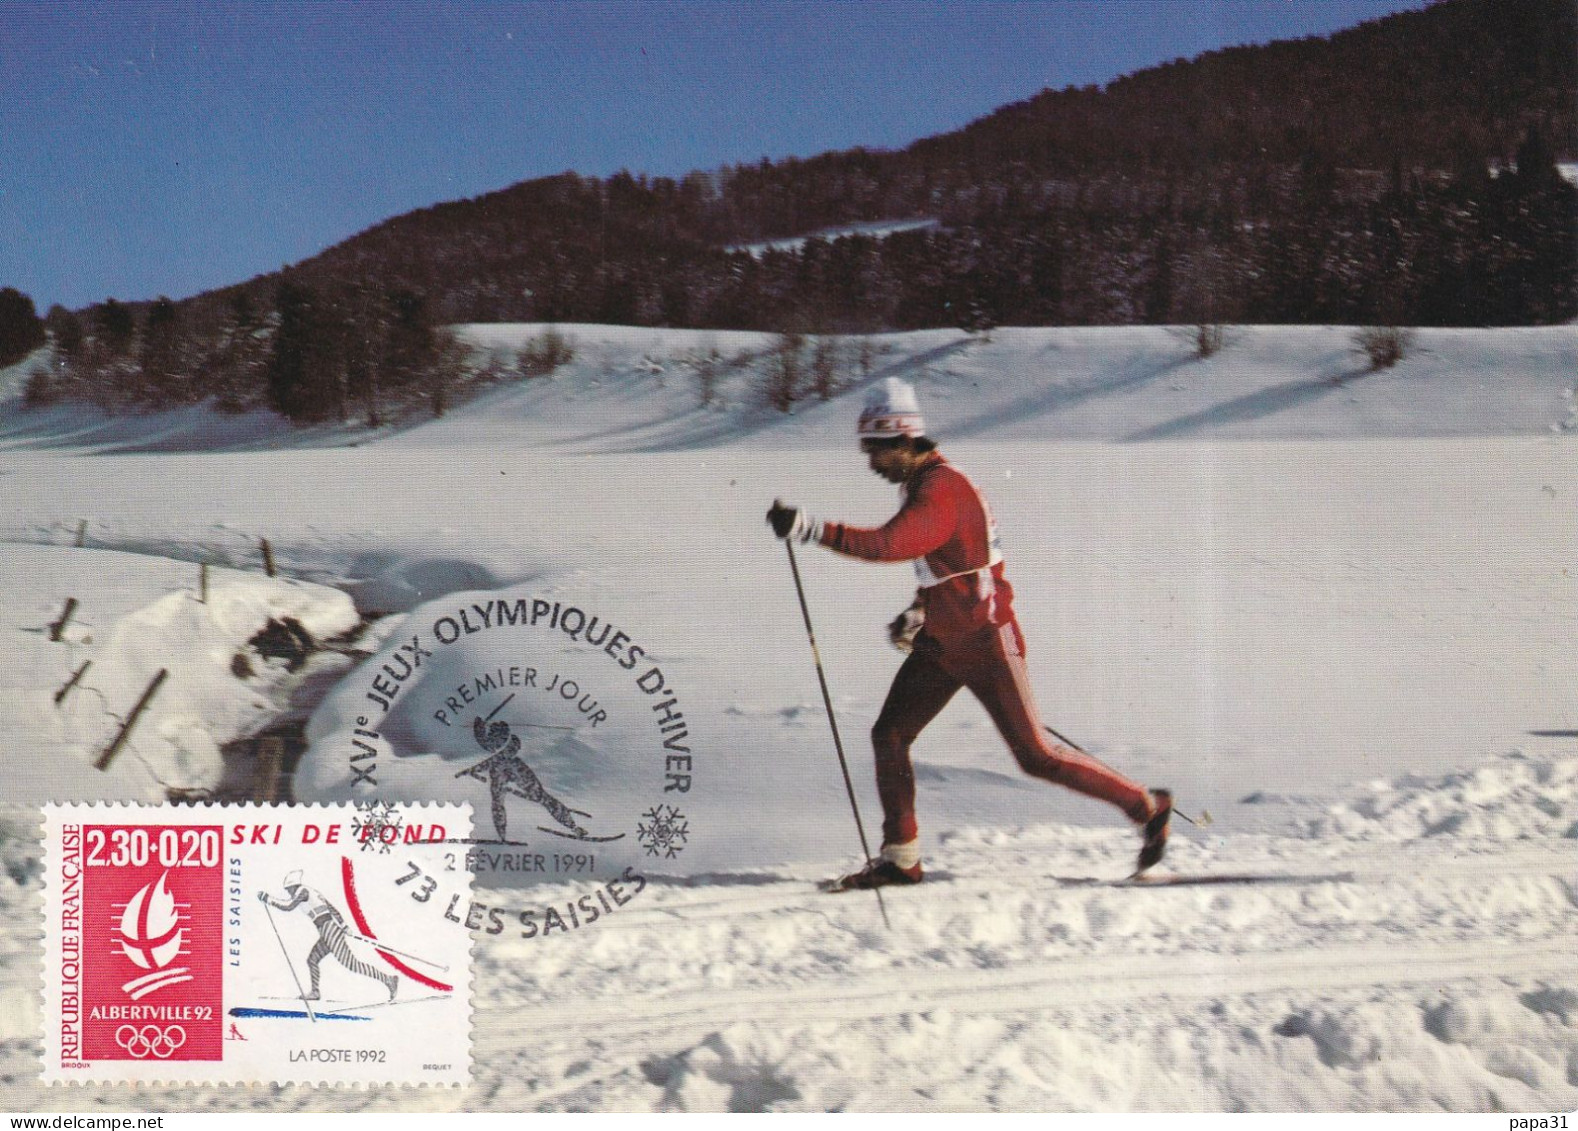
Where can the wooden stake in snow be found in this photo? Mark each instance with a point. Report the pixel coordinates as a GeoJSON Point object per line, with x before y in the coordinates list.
{"type": "Point", "coordinates": [82, 533]}
{"type": "Point", "coordinates": [72, 682]}
{"type": "Point", "coordinates": [202, 582]}
{"type": "Point", "coordinates": [268, 558]}
{"type": "Point", "coordinates": [114, 748]}
{"type": "Point", "coordinates": [271, 760]}
{"type": "Point", "coordinates": [60, 625]}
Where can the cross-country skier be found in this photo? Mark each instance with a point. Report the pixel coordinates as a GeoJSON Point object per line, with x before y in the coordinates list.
{"type": "Point", "coordinates": [506, 771]}
{"type": "Point", "coordinates": [333, 935]}
{"type": "Point", "coordinates": [960, 632]}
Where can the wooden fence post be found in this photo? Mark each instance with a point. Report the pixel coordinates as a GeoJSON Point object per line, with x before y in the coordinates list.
{"type": "Point", "coordinates": [268, 558]}
{"type": "Point", "coordinates": [114, 748]}
{"type": "Point", "coordinates": [271, 760]}
{"type": "Point", "coordinates": [72, 682]}
{"type": "Point", "coordinates": [60, 625]}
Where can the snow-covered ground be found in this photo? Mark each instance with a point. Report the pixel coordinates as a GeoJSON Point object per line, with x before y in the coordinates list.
{"type": "Point", "coordinates": [876, 229]}
{"type": "Point", "coordinates": [1333, 607]}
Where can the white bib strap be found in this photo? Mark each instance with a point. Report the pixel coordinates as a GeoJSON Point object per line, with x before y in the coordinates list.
{"type": "Point", "coordinates": [927, 579]}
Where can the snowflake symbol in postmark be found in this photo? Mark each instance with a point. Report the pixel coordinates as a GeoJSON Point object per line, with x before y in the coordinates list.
{"type": "Point", "coordinates": [665, 832]}
{"type": "Point", "coordinates": [378, 826]}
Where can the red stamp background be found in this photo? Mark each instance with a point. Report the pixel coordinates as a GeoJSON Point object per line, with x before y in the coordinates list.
{"type": "Point", "coordinates": [155, 892]}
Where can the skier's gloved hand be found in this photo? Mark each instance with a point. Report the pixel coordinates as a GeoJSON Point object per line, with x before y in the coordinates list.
{"type": "Point", "coordinates": [782, 519]}
{"type": "Point", "coordinates": [792, 522]}
{"type": "Point", "coordinates": [906, 627]}
{"type": "Point", "coordinates": [262, 897]}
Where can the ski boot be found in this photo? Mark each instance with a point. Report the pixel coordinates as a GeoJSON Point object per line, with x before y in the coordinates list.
{"type": "Point", "coordinates": [1155, 845]}
{"type": "Point", "coordinates": [878, 873]}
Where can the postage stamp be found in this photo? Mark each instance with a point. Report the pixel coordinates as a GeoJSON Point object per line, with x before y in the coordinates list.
{"type": "Point", "coordinates": [255, 944]}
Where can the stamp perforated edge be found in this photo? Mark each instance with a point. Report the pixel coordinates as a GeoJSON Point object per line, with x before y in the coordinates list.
{"type": "Point", "coordinates": [42, 818]}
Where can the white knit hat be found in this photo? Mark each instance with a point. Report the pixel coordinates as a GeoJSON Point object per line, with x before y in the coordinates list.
{"type": "Point", "coordinates": [891, 410]}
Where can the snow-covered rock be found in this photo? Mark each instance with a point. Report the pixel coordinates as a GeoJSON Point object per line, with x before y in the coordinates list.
{"type": "Point", "coordinates": [137, 615]}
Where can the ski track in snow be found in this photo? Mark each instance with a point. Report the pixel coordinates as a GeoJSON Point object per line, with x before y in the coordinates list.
{"type": "Point", "coordinates": [1441, 975]}
{"type": "Point", "coordinates": [1024, 952]}
{"type": "Point", "coordinates": [1283, 600]}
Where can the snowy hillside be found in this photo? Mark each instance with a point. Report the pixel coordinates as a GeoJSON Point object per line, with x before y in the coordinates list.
{"type": "Point", "coordinates": [877, 229]}
{"type": "Point", "coordinates": [631, 389]}
{"type": "Point", "coordinates": [1335, 607]}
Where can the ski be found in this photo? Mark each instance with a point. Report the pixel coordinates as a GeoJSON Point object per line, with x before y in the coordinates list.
{"type": "Point", "coordinates": [585, 837]}
{"type": "Point", "coordinates": [835, 886]}
{"type": "Point", "coordinates": [1202, 879]}
{"type": "Point", "coordinates": [340, 1013]}
{"type": "Point", "coordinates": [384, 1004]}
{"type": "Point", "coordinates": [478, 842]}
{"type": "Point", "coordinates": [257, 1011]}
{"type": "Point", "coordinates": [838, 884]}
{"type": "Point", "coordinates": [1150, 880]}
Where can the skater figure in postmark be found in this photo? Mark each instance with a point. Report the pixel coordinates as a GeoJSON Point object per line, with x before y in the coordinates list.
{"type": "Point", "coordinates": [333, 935]}
{"type": "Point", "coordinates": [506, 773]}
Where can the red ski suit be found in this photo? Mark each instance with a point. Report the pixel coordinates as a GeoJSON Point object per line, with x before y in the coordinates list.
{"type": "Point", "coordinates": [971, 639]}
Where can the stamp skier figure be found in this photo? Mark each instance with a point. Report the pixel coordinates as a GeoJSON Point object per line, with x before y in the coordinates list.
{"type": "Point", "coordinates": [960, 632]}
{"type": "Point", "coordinates": [506, 772]}
{"type": "Point", "coordinates": [333, 935]}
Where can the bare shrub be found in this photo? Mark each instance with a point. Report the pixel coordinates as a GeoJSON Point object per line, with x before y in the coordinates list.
{"type": "Point", "coordinates": [544, 353]}
{"type": "Point", "coordinates": [1385, 346]}
{"type": "Point", "coordinates": [495, 367]}
{"type": "Point", "coordinates": [40, 390]}
{"type": "Point", "coordinates": [707, 363]}
{"type": "Point", "coordinates": [867, 355]}
{"type": "Point", "coordinates": [781, 383]}
{"type": "Point", "coordinates": [447, 373]}
{"type": "Point", "coordinates": [827, 357]}
{"type": "Point", "coordinates": [1209, 338]}
{"type": "Point", "coordinates": [1204, 339]}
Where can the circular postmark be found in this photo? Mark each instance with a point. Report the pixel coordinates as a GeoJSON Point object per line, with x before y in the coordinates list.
{"type": "Point", "coordinates": [556, 722]}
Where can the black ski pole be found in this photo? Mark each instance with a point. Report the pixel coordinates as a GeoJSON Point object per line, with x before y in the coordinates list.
{"type": "Point", "coordinates": [289, 965]}
{"type": "Point", "coordinates": [1205, 817]}
{"type": "Point", "coordinates": [832, 721]}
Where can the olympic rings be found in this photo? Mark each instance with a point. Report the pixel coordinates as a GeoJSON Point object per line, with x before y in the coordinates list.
{"type": "Point", "coordinates": [150, 1040]}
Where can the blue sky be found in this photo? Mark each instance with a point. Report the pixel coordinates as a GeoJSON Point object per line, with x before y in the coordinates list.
{"type": "Point", "coordinates": [155, 147]}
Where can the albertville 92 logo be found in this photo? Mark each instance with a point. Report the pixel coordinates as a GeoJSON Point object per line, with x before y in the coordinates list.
{"type": "Point", "coordinates": [151, 935]}
{"type": "Point", "coordinates": [152, 942]}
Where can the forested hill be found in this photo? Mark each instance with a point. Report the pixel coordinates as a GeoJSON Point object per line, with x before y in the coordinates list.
{"type": "Point", "coordinates": [1456, 82]}
{"type": "Point", "coordinates": [1403, 171]}
{"type": "Point", "coordinates": [1447, 89]}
